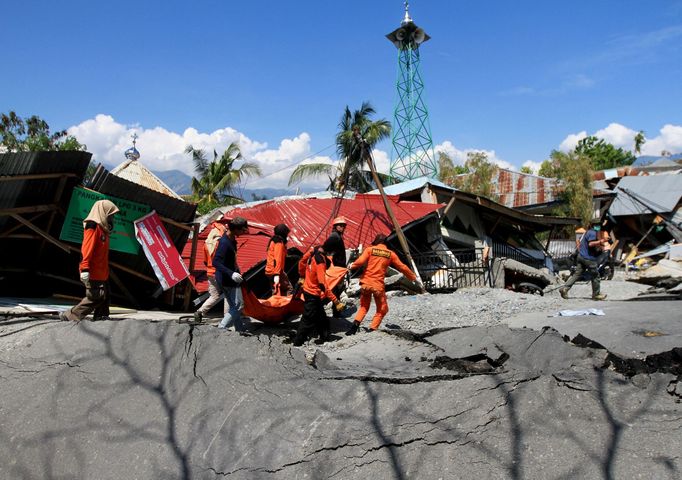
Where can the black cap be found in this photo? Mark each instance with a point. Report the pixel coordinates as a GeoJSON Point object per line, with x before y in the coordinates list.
{"type": "Point", "coordinates": [238, 222]}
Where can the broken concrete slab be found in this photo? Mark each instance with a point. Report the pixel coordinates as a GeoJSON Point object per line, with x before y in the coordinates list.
{"type": "Point", "coordinates": [136, 399]}
{"type": "Point", "coordinates": [618, 330]}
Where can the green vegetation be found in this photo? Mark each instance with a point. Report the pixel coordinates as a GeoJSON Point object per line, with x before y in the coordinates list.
{"type": "Point", "coordinates": [574, 171]}
{"type": "Point", "coordinates": [216, 180]}
{"type": "Point", "coordinates": [349, 173]}
{"type": "Point", "coordinates": [33, 135]}
{"type": "Point", "coordinates": [480, 170]}
{"type": "Point", "coordinates": [603, 155]}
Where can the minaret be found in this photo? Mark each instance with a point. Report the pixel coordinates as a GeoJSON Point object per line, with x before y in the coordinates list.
{"type": "Point", "coordinates": [412, 154]}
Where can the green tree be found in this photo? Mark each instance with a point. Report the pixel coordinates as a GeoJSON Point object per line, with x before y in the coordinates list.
{"type": "Point", "coordinates": [216, 180]}
{"type": "Point", "coordinates": [603, 155]}
{"type": "Point", "coordinates": [33, 134]}
{"type": "Point", "coordinates": [526, 169]}
{"type": "Point", "coordinates": [447, 170]}
{"type": "Point", "coordinates": [349, 173]}
{"type": "Point", "coordinates": [479, 181]}
{"type": "Point", "coordinates": [574, 172]}
{"type": "Point", "coordinates": [547, 169]}
{"type": "Point", "coordinates": [639, 141]}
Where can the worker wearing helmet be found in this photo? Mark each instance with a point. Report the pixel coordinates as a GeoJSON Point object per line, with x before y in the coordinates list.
{"type": "Point", "coordinates": [275, 260]}
{"type": "Point", "coordinates": [94, 266]}
{"type": "Point", "coordinates": [336, 249]}
{"type": "Point", "coordinates": [377, 258]}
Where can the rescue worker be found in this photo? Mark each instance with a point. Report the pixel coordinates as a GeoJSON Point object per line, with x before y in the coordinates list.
{"type": "Point", "coordinates": [227, 273]}
{"type": "Point", "coordinates": [590, 248]}
{"type": "Point", "coordinates": [315, 295]}
{"type": "Point", "coordinates": [214, 289]}
{"type": "Point", "coordinates": [336, 248]}
{"type": "Point", "coordinates": [377, 258]}
{"type": "Point", "coordinates": [276, 259]}
{"type": "Point", "coordinates": [335, 245]}
{"type": "Point", "coordinates": [94, 267]}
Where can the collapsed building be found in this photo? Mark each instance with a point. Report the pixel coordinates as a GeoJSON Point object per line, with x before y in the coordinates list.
{"type": "Point", "coordinates": [39, 258]}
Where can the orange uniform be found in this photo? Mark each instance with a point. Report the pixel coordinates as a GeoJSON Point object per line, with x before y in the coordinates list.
{"type": "Point", "coordinates": [314, 283]}
{"type": "Point", "coordinates": [95, 252]}
{"type": "Point", "coordinates": [377, 258]}
{"type": "Point", "coordinates": [277, 255]}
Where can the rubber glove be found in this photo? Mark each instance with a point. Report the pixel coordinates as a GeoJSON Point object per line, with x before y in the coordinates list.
{"type": "Point", "coordinates": [237, 278]}
{"type": "Point", "coordinates": [85, 277]}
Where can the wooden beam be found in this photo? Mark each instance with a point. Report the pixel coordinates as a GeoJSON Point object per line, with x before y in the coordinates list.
{"type": "Point", "coordinates": [32, 209]}
{"type": "Point", "coordinates": [7, 232]}
{"type": "Point", "coordinates": [35, 176]}
{"type": "Point", "coordinates": [184, 226]}
{"type": "Point", "coordinates": [192, 262]}
{"type": "Point", "coordinates": [396, 225]}
{"type": "Point", "coordinates": [121, 267]}
{"type": "Point", "coordinates": [45, 235]}
{"type": "Point", "coordinates": [123, 288]}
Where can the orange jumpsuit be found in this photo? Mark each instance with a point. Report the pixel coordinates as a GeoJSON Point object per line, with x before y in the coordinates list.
{"type": "Point", "coordinates": [274, 265]}
{"type": "Point", "coordinates": [377, 258]}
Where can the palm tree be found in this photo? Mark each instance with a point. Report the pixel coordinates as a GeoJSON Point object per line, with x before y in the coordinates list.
{"type": "Point", "coordinates": [216, 180]}
{"type": "Point", "coordinates": [349, 172]}
{"type": "Point", "coordinates": [639, 141]}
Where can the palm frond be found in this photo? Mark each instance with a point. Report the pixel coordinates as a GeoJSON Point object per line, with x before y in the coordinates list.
{"type": "Point", "coordinates": [310, 170]}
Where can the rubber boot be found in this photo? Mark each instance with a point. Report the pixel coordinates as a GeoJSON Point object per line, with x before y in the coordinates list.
{"type": "Point", "coordinates": [353, 329]}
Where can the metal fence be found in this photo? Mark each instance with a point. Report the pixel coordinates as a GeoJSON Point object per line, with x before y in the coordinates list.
{"type": "Point", "coordinates": [448, 270]}
{"type": "Point", "coordinates": [508, 251]}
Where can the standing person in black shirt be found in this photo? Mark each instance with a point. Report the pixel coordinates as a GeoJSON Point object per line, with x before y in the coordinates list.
{"type": "Point", "coordinates": [336, 248]}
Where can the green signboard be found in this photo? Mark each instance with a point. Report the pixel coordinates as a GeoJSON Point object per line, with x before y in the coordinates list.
{"type": "Point", "coordinates": [122, 238]}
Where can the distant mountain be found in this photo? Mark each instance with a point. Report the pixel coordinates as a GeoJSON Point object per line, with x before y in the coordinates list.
{"type": "Point", "coordinates": [649, 159]}
{"type": "Point", "coordinates": [180, 183]}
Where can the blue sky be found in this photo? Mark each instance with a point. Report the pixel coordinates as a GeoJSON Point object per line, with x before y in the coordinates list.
{"type": "Point", "coordinates": [515, 79]}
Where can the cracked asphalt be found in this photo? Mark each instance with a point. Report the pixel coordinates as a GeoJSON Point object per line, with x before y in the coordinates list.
{"type": "Point", "coordinates": [450, 391]}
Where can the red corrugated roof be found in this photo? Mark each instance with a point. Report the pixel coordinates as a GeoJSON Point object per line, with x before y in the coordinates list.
{"type": "Point", "coordinates": [310, 223]}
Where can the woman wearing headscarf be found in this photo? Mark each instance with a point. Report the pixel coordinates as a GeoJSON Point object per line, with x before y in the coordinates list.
{"type": "Point", "coordinates": [94, 267]}
{"type": "Point", "coordinates": [276, 258]}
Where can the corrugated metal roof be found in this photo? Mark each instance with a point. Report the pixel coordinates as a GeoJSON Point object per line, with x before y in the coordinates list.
{"type": "Point", "coordinates": [663, 190]}
{"type": "Point", "coordinates": [310, 222]}
{"type": "Point", "coordinates": [516, 189]}
{"type": "Point", "coordinates": [411, 185]}
{"type": "Point", "coordinates": [134, 171]}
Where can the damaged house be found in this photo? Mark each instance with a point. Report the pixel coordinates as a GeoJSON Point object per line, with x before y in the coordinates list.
{"type": "Point", "coordinates": [37, 260]}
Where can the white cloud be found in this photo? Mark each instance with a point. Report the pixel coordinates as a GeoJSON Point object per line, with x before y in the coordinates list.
{"type": "Point", "coordinates": [534, 166]}
{"type": "Point", "coordinates": [161, 149]}
{"type": "Point", "coordinates": [571, 141]}
{"type": "Point", "coordinates": [460, 156]}
{"type": "Point", "coordinates": [669, 138]}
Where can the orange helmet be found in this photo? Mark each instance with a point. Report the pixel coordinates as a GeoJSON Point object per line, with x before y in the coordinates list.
{"type": "Point", "coordinates": [339, 221]}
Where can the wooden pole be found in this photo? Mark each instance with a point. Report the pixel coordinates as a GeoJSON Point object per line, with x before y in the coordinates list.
{"type": "Point", "coordinates": [396, 225]}
{"type": "Point", "coordinates": [192, 262]}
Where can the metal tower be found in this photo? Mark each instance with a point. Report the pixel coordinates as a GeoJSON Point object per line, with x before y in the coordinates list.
{"type": "Point", "coordinates": [412, 153]}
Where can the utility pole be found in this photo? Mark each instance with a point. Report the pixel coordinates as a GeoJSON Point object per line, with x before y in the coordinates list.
{"type": "Point", "coordinates": [396, 225]}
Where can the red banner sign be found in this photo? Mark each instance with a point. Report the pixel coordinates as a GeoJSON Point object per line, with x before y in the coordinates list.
{"type": "Point", "coordinates": [160, 251]}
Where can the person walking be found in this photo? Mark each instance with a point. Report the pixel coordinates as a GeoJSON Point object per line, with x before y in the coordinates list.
{"type": "Point", "coordinates": [590, 248]}
{"type": "Point", "coordinates": [315, 295]}
{"type": "Point", "coordinates": [214, 289]}
{"type": "Point", "coordinates": [276, 259]}
{"type": "Point", "coordinates": [227, 273]}
{"type": "Point", "coordinates": [94, 266]}
{"type": "Point", "coordinates": [377, 258]}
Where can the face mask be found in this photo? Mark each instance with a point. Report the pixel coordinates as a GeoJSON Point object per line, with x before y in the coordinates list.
{"type": "Point", "coordinates": [596, 228]}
